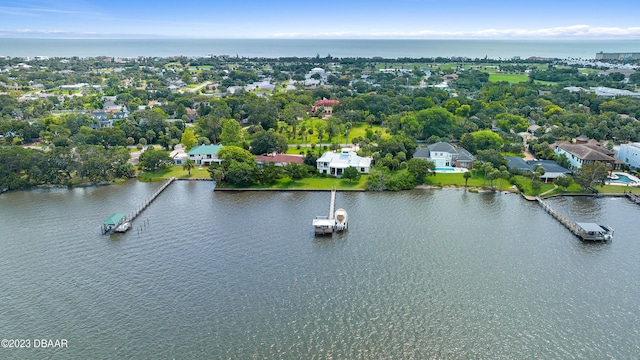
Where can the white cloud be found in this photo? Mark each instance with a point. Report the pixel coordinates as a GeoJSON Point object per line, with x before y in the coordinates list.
{"type": "Point", "coordinates": [572, 32]}
{"type": "Point", "coordinates": [585, 32]}
{"type": "Point", "coordinates": [23, 11]}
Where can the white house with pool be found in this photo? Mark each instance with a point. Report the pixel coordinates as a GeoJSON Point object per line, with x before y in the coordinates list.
{"type": "Point", "coordinates": [334, 163]}
{"type": "Point", "coordinates": [445, 156]}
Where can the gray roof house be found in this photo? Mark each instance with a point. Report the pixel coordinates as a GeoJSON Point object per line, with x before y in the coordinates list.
{"type": "Point", "coordinates": [552, 169]}
{"type": "Point", "coordinates": [444, 154]}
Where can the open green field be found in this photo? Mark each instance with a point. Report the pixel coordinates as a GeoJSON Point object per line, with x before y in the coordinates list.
{"type": "Point", "coordinates": [174, 64]}
{"type": "Point", "coordinates": [356, 130]}
{"type": "Point", "coordinates": [542, 82]}
{"type": "Point", "coordinates": [510, 78]}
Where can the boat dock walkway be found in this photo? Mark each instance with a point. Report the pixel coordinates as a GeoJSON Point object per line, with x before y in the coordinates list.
{"type": "Point", "coordinates": [122, 222]}
{"type": "Point", "coordinates": [332, 204]}
{"type": "Point", "coordinates": [328, 224]}
{"type": "Point", "coordinates": [146, 204]}
{"type": "Point", "coordinates": [556, 215]}
{"type": "Point", "coordinates": [633, 197]}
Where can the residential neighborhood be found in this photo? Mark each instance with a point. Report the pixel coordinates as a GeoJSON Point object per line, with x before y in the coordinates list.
{"type": "Point", "coordinates": [261, 122]}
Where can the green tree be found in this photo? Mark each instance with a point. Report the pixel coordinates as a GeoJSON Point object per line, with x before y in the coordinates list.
{"type": "Point", "coordinates": [296, 171]}
{"type": "Point", "coordinates": [491, 156]}
{"type": "Point", "coordinates": [563, 161]}
{"type": "Point", "coordinates": [466, 176]}
{"type": "Point", "coordinates": [240, 173]}
{"type": "Point", "coordinates": [269, 173]}
{"type": "Point", "coordinates": [351, 173]}
{"type": "Point", "coordinates": [188, 139]}
{"type": "Point", "coordinates": [486, 139]}
{"type": "Point", "coordinates": [154, 160]}
{"type": "Point", "coordinates": [436, 121]}
{"type": "Point", "coordinates": [264, 142]}
{"type": "Point", "coordinates": [231, 133]}
{"type": "Point", "coordinates": [216, 173]}
{"type": "Point", "coordinates": [188, 165]}
{"type": "Point", "coordinates": [420, 168]}
{"type": "Point", "coordinates": [563, 181]}
{"type": "Point", "coordinates": [591, 174]}
{"type": "Point", "coordinates": [230, 154]}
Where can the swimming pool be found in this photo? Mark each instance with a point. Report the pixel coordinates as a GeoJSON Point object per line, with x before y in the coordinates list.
{"type": "Point", "coordinates": [445, 169]}
{"type": "Point", "coordinates": [622, 179]}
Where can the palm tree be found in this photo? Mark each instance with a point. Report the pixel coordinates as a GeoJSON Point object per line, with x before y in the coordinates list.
{"type": "Point", "coordinates": [466, 176]}
{"type": "Point", "coordinates": [188, 165]}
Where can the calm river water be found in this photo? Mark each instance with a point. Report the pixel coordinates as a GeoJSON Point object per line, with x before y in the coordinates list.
{"type": "Point", "coordinates": [420, 274]}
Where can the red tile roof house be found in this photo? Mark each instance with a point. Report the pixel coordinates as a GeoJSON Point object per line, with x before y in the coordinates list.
{"type": "Point", "coordinates": [325, 106]}
{"type": "Point", "coordinates": [191, 114]}
{"type": "Point", "coordinates": [280, 159]}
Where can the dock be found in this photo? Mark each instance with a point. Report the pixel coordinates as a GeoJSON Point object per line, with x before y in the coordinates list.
{"type": "Point", "coordinates": [332, 204]}
{"type": "Point", "coordinates": [122, 222]}
{"type": "Point", "coordinates": [633, 197]}
{"type": "Point", "coordinates": [328, 224]}
{"type": "Point", "coordinates": [148, 202]}
{"type": "Point", "coordinates": [584, 231]}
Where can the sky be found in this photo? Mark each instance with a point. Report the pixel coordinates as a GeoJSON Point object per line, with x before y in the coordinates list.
{"type": "Point", "coordinates": [331, 19]}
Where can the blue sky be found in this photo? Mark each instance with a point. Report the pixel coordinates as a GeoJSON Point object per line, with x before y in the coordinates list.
{"type": "Point", "coordinates": [414, 19]}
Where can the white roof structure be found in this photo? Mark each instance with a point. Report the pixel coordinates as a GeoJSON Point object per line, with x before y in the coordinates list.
{"type": "Point", "coordinates": [344, 159]}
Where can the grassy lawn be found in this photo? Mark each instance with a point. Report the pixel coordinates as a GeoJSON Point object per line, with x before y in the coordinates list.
{"type": "Point", "coordinates": [510, 78]}
{"type": "Point", "coordinates": [357, 130]}
{"type": "Point", "coordinates": [175, 64]}
{"type": "Point", "coordinates": [541, 82]}
{"type": "Point", "coordinates": [327, 183]}
{"type": "Point", "coordinates": [616, 189]}
{"type": "Point", "coordinates": [174, 171]}
{"type": "Point", "coordinates": [316, 183]}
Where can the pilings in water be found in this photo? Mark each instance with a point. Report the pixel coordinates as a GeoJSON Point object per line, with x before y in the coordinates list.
{"type": "Point", "coordinates": [564, 221]}
{"type": "Point", "coordinates": [153, 196]}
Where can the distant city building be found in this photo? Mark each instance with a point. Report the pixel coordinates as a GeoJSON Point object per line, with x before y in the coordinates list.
{"type": "Point", "coordinates": [604, 91]}
{"type": "Point", "coordinates": [617, 56]}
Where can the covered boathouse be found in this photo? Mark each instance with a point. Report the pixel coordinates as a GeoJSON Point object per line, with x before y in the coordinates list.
{"type": "Point", "coordinates": [113, 222]}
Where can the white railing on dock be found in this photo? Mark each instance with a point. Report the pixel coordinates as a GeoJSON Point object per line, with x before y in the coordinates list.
{"type": "Point", "coordinates": [568, 224]}
{"type": "Point", "coordinates": [153, 196]}
{"type": "Point", "coordinates": [332, 204]}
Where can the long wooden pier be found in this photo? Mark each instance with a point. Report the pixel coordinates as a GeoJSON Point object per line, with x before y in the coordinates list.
{"type": "Point", "coordinates": [332, 204]}
{"type": "Point", "coordinates": [147, 202]}
{"type": "Point", "coordinates": [556, 215]}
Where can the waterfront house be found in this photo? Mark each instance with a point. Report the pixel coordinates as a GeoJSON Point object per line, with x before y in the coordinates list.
{"type": "Point", "coordinates": [443, 154]}
{"type": "Point", "coordinates": [630, 154]}
{"type": "Point", "coordinates": [552, 169]}
{"type": "Point", "coordinates": [335, 163]}
{"type": "Point", "coordinates": [585, 151]}
{"type": "Point", "coordinates": [178, 155]}
{"type": "Point", "coordinates": [205, 154]}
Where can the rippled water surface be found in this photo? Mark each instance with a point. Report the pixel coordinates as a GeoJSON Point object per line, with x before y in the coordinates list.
{"type": "Point", "coordinates": [419, 274]}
